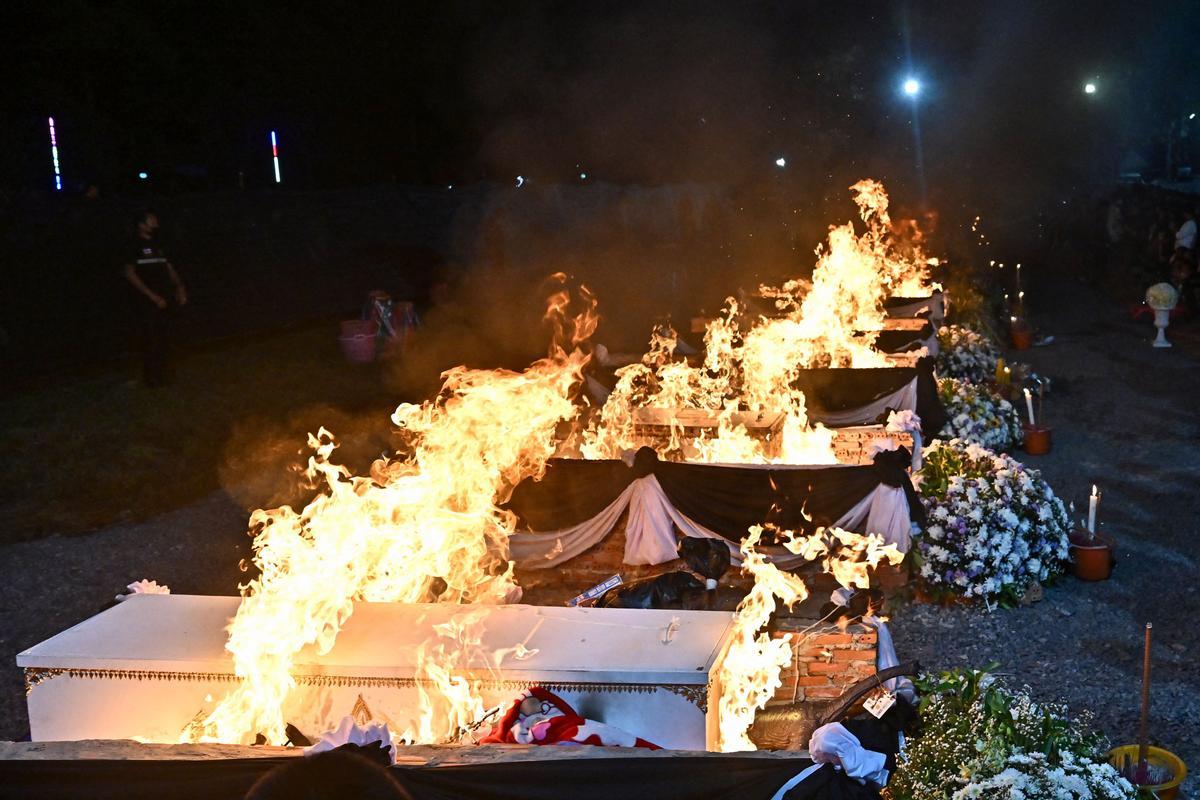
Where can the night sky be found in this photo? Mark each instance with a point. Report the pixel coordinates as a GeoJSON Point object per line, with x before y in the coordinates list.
{"type": "Point", "coordinates": [707, 92]}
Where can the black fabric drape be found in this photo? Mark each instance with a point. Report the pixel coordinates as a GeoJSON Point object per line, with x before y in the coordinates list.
{"type": "Point", "coordinates": [894, 341]}
{"type": "Point", "coordinates": [843, 389]}
{"type": "Point", "coordinates": [900, 302]}
{"type": "Point", "coordinates": [728, 500]}
{"type": "Point", "coordinates": [890, 467]}
{"type": "Point", "coordinates": [929, 405]}
{"type": "Point", "coordinates": [725, 499]}
{"type": "Point", "coordinates": [692, 777]}
{"type": "Point", "coordinates": [572, 491]}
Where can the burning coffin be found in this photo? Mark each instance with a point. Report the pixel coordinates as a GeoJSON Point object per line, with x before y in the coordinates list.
{"type": "Point", "coordinates": [148, 667]}
{"type": "Point", "coordinates": [933, 306]}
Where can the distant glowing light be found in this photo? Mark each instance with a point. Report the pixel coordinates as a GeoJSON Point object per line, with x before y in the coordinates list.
{"type": "Point", "coordinates": [1089, 88]}
{"type": "Point", "coordinates": [520, 181]}
{"type": "Point", "coordinates": [275, 155]}
{"type": "Point", "coordinates": [912, 87]}
{"type": "Point", "coordinates": [583, 176]}
{"type": "Point", "coordinates": [1192, 115]}
{"type": "Point", "coordinates": [781, 162]}
{"type": "Point", "coordinates": [54, 156]}
{"type": "Point", "coordinates": [143, 175]}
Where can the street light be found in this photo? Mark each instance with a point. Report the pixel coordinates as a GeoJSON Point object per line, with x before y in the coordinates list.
{"type": "Point", "coordinates": [781, 162]}
{"type": "Point", "coordinates": [912, 87]}
{"type": "Point", "coordinates": [1089, 88]}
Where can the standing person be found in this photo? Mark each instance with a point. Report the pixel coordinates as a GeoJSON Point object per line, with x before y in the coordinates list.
{"type": "Point", "coordinates": [1185, 237]}
{"type": "Point", "coordinates": [158, 290]}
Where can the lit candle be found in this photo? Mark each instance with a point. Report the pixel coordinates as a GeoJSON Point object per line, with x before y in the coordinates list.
{"type": "Point", "coordinates": [1020, 295]}
{"type": "Point", "coordinates": [1093, 503]}
{"type": "Point", "coordinates": [1029, 406]}
{"type": "Point", "coordinates": [1007, 376]}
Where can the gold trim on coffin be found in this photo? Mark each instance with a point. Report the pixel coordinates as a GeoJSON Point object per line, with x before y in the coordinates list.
{"type": "Point", "coordinates": [696, 694]}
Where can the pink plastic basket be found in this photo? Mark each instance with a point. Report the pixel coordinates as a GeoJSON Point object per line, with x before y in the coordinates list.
{"type": "Point", "coordinates": [358, 340]}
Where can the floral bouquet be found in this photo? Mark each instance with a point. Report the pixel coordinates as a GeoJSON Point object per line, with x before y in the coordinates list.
{"type": "Point", "coordinates": [965, 354]}
{"type": "Point", "coordinates": [977, 414]}
{"type": "Point", "coordinates": [994, 526]}
{"type": "Point", "coordinates": [983, 740]}
{"type": "Point", "coordinates": [1162, 297]}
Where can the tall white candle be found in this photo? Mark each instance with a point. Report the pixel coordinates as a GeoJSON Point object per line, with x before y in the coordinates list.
{"type": "Point", "coordinates": [1092, 503]}
{"type": "Point", "coordinates": [1029, 405]}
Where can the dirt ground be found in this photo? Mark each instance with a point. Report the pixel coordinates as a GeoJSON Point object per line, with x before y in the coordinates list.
{"type": "Point", "coordinates": [1124, 418]}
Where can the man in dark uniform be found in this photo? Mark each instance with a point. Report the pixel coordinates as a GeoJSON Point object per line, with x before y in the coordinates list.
{"type": "Point", "coordinates": [158, 291]}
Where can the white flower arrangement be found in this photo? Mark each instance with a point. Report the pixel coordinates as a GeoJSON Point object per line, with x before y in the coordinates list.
{"type": "Point", "coordinates": [1162, 297]}
{"type": "Point", "coordinates": [993, 525]}
{"type": "Point", "coordinates": [977, 414]}
{"type": "Point", "coordinates": [983, 741]}
{"type": "Point", "coordinates": [965, 354]}
{"type": "Point", "coordinates": [1033, 775]}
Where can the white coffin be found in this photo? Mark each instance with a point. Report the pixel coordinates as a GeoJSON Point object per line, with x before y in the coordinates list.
{"type": "Point", "coordinates": [147, 667]}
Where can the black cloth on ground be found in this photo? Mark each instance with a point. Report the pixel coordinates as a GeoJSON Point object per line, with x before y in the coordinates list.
{"type": "Point", "coordinates": [691, 777]}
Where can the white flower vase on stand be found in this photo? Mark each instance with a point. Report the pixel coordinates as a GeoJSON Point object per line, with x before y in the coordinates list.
{"type": "Point", "coordinates": [1161, 317]}
{"type": "Point", "coordinates": [1162, 297]}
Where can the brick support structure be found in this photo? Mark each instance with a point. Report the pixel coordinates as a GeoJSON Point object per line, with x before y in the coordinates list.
{"type": "Point", "coordinates": [825, 661]}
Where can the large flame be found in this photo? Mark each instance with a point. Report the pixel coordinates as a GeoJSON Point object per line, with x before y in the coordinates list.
{"type": "Point", "coordinates": [749, 674]}
{"type": "Point", "coordinates": [751, 362]}
{"type": "Point", "coordinates": [424, 527]}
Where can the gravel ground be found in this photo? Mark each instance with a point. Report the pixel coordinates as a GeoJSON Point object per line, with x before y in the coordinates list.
{"type": "Point", "coordinates": [1124, 418]}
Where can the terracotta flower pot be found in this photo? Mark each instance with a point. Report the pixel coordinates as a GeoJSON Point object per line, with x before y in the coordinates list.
{"type": "Point", "coordinates": [1037, 439]}
{"type": "Point", "coordinates": [1091, 559]}
{"type": "Point", "coordinates": [1022, 337]}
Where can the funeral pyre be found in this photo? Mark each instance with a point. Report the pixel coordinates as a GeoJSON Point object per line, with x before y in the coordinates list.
{"type": "Point", "coordinates": [740, 401]}
{"type": "Point", "coordinates": [426, 525]}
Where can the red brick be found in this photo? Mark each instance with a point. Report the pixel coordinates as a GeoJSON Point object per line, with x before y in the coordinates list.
{"type": "Point", "coordinates": [823, 668]}
{"type": "Point", "coordinates": [823, 692]}
{"type": "Point", "coordinates": [813, 680]}
{"type": "Point", "coordinates": [833, 639]}
{"type": "Point", "coordinates": [813, 652]}
{"type": "Point", "coordinates": [854, 655]}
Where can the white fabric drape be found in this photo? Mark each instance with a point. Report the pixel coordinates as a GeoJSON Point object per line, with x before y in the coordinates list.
{"type": "Point", "coordinates": [903, 399]}
{"type": "Point", "coordinates": [885, 658]}
{"type": "Point", "coordinates": [652, 521]}
{"type": "Point", "coordinates": [539, 550]}
{"type": "Point", "coordinates": [834, 744]}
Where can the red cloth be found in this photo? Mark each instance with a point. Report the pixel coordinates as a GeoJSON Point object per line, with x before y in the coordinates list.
{"type": "Point", "coordinates": [540, 717]}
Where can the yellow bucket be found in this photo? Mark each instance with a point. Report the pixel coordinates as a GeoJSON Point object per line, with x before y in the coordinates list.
{"type": "Point", "coordinates": [1159, 758]}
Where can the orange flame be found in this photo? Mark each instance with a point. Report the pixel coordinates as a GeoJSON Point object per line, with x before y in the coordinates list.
{"type": "Point", "coordinates": [422, 528]}
{"type": "Point", "coordinates": [749, 674]}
